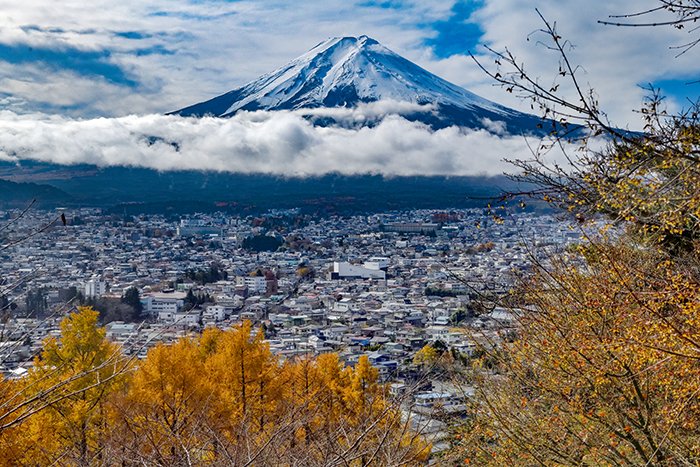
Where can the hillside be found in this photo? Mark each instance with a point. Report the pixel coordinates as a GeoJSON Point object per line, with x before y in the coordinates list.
{"type": "Point", "coordinates": [12, 193]}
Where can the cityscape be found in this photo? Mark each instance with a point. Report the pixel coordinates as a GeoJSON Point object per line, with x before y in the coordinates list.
{"type": "Point", "coordinates": [384, 285]}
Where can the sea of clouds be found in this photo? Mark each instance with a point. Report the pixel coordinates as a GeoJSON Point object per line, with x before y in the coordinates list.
{"type": "Point", "coordinates": [278, 143]}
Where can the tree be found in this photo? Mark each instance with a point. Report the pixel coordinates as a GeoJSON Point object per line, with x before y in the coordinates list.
{"type": "Point", "coordinates": [190, 299]}
{"type": "Point", "coordinates": [213, 273]}
{"type": "Point", "coordinates": [132, 297]}
{"type": "Point", "coordinates": [112, 309]}
{"type": "Point", "coordinates": [604, 368]}
{"type": "Point", "coordinates": [220, 398]}
{"type": "Point", "coordinates": [260, 243]}
{"type": "Point", "coordinates": [68, 294]}
{"type": "Point", "coordinates": [439, 346]}
{"type": "Point", "coordinates": [245, 370]}
{"type": "Point", "coordinates": [36, 302]}
{"type": "Point", "coordinates": [675, 13]}
{"type": "Point", "coordinates": [164, 417]}
{"type": "Point", "coordinates": [460, 315]}
{"type": "Point", "coordinates": [306, 272]}
{"type": "Point", "coordinates": [364, 385]}
{"type": "Point", "coordinates": [193, 300]}
{"type": "Point", "coordinates": [604, 371]}
{"type": "Point", "coordinates": [426, 356]}
{"type": "Point", "coordinates": [66, 393]}
{"type": "Point", "coordinates": [647, 180]}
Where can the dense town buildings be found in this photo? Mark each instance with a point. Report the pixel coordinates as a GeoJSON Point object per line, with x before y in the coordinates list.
{"type": "Point", "coordinates": [384, 285]}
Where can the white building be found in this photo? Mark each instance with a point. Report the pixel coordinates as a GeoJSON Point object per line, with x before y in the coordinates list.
{"type": "Point", "coordinates": [195, 227]}
{"type": "Point", "coordinates": [377, 263]}
{"type": "Point", "coordinates": [343, 270]}
{"type": "Point", "coordinates": [95, 288]}
{"type": "Point", "coordinates": [257, 285]}
{"type": "Point", "coordinates": [214, 313]}
{"type": "Point", "coordinates": [189, 318]}
{"type": "Point", "coordinates": [157, 303]}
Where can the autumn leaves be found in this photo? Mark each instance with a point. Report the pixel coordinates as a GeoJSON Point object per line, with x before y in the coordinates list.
{"type": "Point", "coordinates": [221, 398]}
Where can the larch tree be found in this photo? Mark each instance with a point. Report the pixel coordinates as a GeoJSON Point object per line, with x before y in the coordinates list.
{"type": "Point", "coordinates": [67, 392]}
{"type": "Point", "coordinates": [221, 398]}
{"type": "Point", "coordinates": [164, 417]}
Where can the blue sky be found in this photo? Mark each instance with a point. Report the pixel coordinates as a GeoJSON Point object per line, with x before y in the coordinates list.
{"type": "Point", "coordinates": [457, 34]}
{"type": "Point", "coordinates": [112, 58]}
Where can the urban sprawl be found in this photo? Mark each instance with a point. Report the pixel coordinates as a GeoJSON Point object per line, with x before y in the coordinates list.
{"type": "Point", "coordinates": [383, 285]}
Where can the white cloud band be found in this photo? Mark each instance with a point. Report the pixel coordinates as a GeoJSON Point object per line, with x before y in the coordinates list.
{"type": "Point", "coordinates": [280, 143]}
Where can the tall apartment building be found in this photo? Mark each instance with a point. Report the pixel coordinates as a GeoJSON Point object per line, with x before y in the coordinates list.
{"type": "Point", "coordinates": [95, 288]}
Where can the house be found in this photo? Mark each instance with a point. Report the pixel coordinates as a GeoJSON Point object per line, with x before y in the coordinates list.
{"type": "Point", "coordinates": [163, 302]}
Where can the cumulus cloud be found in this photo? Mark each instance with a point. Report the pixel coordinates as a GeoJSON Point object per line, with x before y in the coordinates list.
{"type": "Point", "coordinates": [496, 127]}
{"type": "Point", "coordinates": [280, 143]}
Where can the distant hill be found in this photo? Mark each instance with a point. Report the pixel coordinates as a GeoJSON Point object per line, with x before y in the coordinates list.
{"type": "Point", "coordinates": [148, 190]}
{"type": "Point", "coordinates": [12, 193]}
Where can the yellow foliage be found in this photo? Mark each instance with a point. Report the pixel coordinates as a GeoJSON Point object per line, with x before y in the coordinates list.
{"type": "Point", "coordinates": [426, 356]}
{"type": "Point", "coordinates": [66, 395]}
{"type": "Point", "coordinates": [220, 399]}
{"type": "Point", "coordinates": [605, 370]}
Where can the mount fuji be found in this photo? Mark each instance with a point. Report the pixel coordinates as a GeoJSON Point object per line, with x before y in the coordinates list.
{"type": "Point", "coordinates": [349, 71]}
{"type": "Point", "coordinates": [348, 81]}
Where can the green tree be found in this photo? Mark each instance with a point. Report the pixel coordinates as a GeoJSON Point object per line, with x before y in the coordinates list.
{"type": "Point", "coordinates": [36, 302]}
{"type": "Point", "coordinates": [132, 297]}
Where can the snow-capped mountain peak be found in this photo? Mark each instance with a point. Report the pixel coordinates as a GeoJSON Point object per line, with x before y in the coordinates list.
{"type": "Point", "coordinates": [347, 71]}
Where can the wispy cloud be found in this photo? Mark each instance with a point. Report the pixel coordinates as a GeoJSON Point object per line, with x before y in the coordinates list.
{"type": "Point", "coordinates": [83, 62]}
